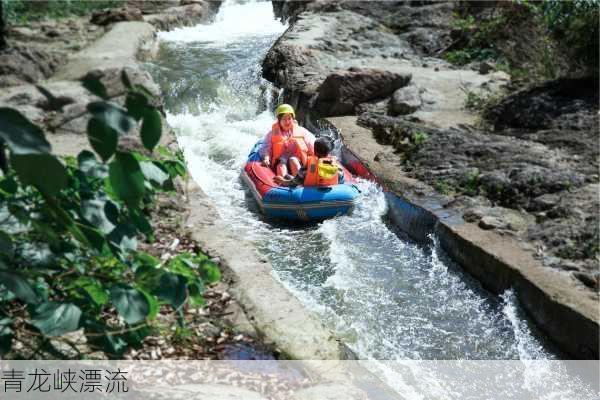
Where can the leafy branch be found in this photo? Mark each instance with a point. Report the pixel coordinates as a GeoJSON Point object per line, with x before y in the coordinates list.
{"type": "Point", "coordinates": [70, 228]}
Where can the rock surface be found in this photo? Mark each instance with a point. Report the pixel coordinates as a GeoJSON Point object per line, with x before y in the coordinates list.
{"type": "Point", "coordinates": [330, 38]}
{"type": "Point", "coordinates": [342, 91]}
{"type": "Point", "coordinates": [405, 100]}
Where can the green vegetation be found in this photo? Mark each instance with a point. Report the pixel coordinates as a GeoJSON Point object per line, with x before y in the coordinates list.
{"type": "Point", "coordinates": [21, 11]}
{"type": "Point", "coordinates": [443, 187]}
{"type": "Point", "coordinates": [569, 27]}
{"type": "Point", "coordinates": [470, 183]}
{"type": "Point", "coordinates": [418, 138]}
{"type": "Point", "coordinates": [69, 231]}
{"type": "Point", "coordinates": [575, 24]}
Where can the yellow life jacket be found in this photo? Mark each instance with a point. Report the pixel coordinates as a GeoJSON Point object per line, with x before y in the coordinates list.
{"type": "Point", "coordinates": [321, 171]}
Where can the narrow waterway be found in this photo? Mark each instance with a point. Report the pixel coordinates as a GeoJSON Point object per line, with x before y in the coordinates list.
{"type": "Point", "coordinates": [387, 297]}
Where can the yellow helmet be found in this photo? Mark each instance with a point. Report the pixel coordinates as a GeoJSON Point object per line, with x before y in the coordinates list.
{"type": "Point", "coordinates": [285, 109]}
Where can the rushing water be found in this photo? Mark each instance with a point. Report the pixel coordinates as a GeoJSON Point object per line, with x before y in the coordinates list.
{"type": "Point", "coordinates": [387, 297]}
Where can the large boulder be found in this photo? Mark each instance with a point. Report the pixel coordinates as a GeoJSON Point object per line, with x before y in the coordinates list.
{"type": "Point", "coordinates": [342, 91]}
{"type": "Point", "coordinates": [22, 64]}
{"type": "Point", "coordinates": [559, 104]}
{"type": "Point", "coordinates": [109, 16]}
{"type": "Point", "coordinates": [405, 100]}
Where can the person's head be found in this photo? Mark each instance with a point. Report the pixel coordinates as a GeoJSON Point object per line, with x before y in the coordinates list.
{"type": "Point", "coordinates": [322, 147]}
{"type": "Point", "coordinates": [285, 115]}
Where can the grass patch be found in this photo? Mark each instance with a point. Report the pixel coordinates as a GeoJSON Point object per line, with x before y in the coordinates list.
{"type": "Point", "coordinates": [19, 12]}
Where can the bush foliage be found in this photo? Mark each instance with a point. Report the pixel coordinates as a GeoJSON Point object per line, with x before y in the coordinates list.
{"type": "Point", "coordinates": [21, 11]}
{"type": "Point", "coordinates": [69, 230]}
{"type": "Point", "coordinates": [573, 25]}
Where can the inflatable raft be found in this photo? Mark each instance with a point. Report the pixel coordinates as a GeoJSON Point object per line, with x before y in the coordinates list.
{"type": "Point", "coordinates": [297, 203]}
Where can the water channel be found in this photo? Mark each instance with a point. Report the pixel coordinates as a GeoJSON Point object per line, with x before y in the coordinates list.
{"type": "Point", "coordinates": [386, 296]}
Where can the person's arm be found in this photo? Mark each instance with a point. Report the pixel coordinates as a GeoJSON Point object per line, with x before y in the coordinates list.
{"type": "Point", "coordinates": [265, 150]}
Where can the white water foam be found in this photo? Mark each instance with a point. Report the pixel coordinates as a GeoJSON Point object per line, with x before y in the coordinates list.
{"type": "Point", "coordinates": [233, 24]}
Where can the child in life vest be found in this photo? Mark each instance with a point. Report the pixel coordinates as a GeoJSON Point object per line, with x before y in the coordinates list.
{"type": "Point", "coordinates": [320, 170]}
{"type": "Point", "coordinates": [287, 144]}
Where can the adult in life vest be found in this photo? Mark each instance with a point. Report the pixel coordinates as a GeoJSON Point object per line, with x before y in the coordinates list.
{"type": "Point", "coordinates": [287, 144]}
{"type": "Point", "coordinates": [322, 169]}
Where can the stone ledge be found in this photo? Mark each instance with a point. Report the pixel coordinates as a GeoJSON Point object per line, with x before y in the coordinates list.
{"type": "Point", "coordinates": [275, 313]}
{"type": "Point", "coordinates": [568, 314]}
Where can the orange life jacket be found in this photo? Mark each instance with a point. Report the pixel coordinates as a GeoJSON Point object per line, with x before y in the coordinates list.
{"type": "Point", "coordinates": [280, 143]}
{"type": "Point", "coordinates": [322, 176]}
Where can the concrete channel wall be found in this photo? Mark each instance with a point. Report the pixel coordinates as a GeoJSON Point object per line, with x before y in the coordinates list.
{"type": "Point", "coordinates": [569, 317]}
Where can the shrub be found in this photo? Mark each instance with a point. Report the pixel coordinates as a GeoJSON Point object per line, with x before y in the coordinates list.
{"type": "Point", "coordinates": [69, 231]}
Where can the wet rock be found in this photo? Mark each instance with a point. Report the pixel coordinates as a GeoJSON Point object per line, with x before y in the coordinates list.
{"type": "Point", "coordinates": [551, 105]}
{"type": "Point", "coordinates": [485, 68]}
{"type": "Point", "coordinates": [209, 330]}
{"type": "Point", "coordinates": [376, 107]}
{"type": "Point", "coordinates": [405, 100]}
{"type": "Point", "coordinates": [488, 223]}
{"type": "Point", "coordinates": [188, 14]}
{"type": "Point", "coordinates": [342, 91]}
{"type": "Point", "coordinates": [589, 280]}
{"type": "Point", "coordinates": [545, 201]}
{"type": "Point", "coordinates": [21, 64]}
{"type": "Point", "coordinates": [22, 33]}
{"type": "Point", "coordinates": [109, 16]}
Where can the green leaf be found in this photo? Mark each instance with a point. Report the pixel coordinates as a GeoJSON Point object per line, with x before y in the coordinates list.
{"type": "Point", "coordinates": [22, 136]}
{"type": "Point", "coordinates": [43, 171]}
{"type": "Point", "coordinates": [127, 179]}
{"type": "Point", "coordinates": [131, 304]}
{"type": "Point", "coordinates": [94, 212]}
{"type": "Point", "coordinates": [148, 277]}
{"type": "Point", "coordinates": [114, 345]}
{"type": "Point", "coordinates": [90, 166]}
{"type": "Point", "coordinates": [125, 79]}
{"type": "Point", "coordinates": [152, 302]}
{"type": "Point", "coordinates": [9, 185]}
{"type": "Point", "coordinates": [141, 223]}
{"type": "Point", "coordinates": [18, 285]}
{"type": "Point", "coordinates": [6, 245]}
{"type": "Point", "coordinates": [137, 105]}
{"type": "Point", "coordinates": [55, 319]}
{"type": "Point", "coordinates": [209, 271]}
{"type": "Point", "coordinates": [143, 90]}
{"type": "Point", "coordinates": [142, 258]}
{"type": "Point", "coordinates": [153, 173]}
{"type": "Point", "coordinates": [6, 335]}
{"type": "Point", "coordinates": [196, 289]}
{"type": "Point", "coordinates": [112, 115]}
{"type": "Point", "coordinates": [183, 266]}
{"type": "Point", "coordinates": [93, 289]}
{"type": "Point", "coordinates": [151, 129]}
{"type": "Point", "coordinates": [102, 137]}
{"type": "Point", "coordinates": [94, 85]}
{"type": "Point", "coordinates": [124, 237]}
{"type": "Point", "coordinates": [49, 233]}
{"type": "Point", "coordinates": [94, 237]}
{"type": "Point", "coordinates": [173, 289]}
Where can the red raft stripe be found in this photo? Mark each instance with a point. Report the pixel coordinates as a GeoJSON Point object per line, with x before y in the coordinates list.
{"type": "Point", "coordinates": [262, 177]}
